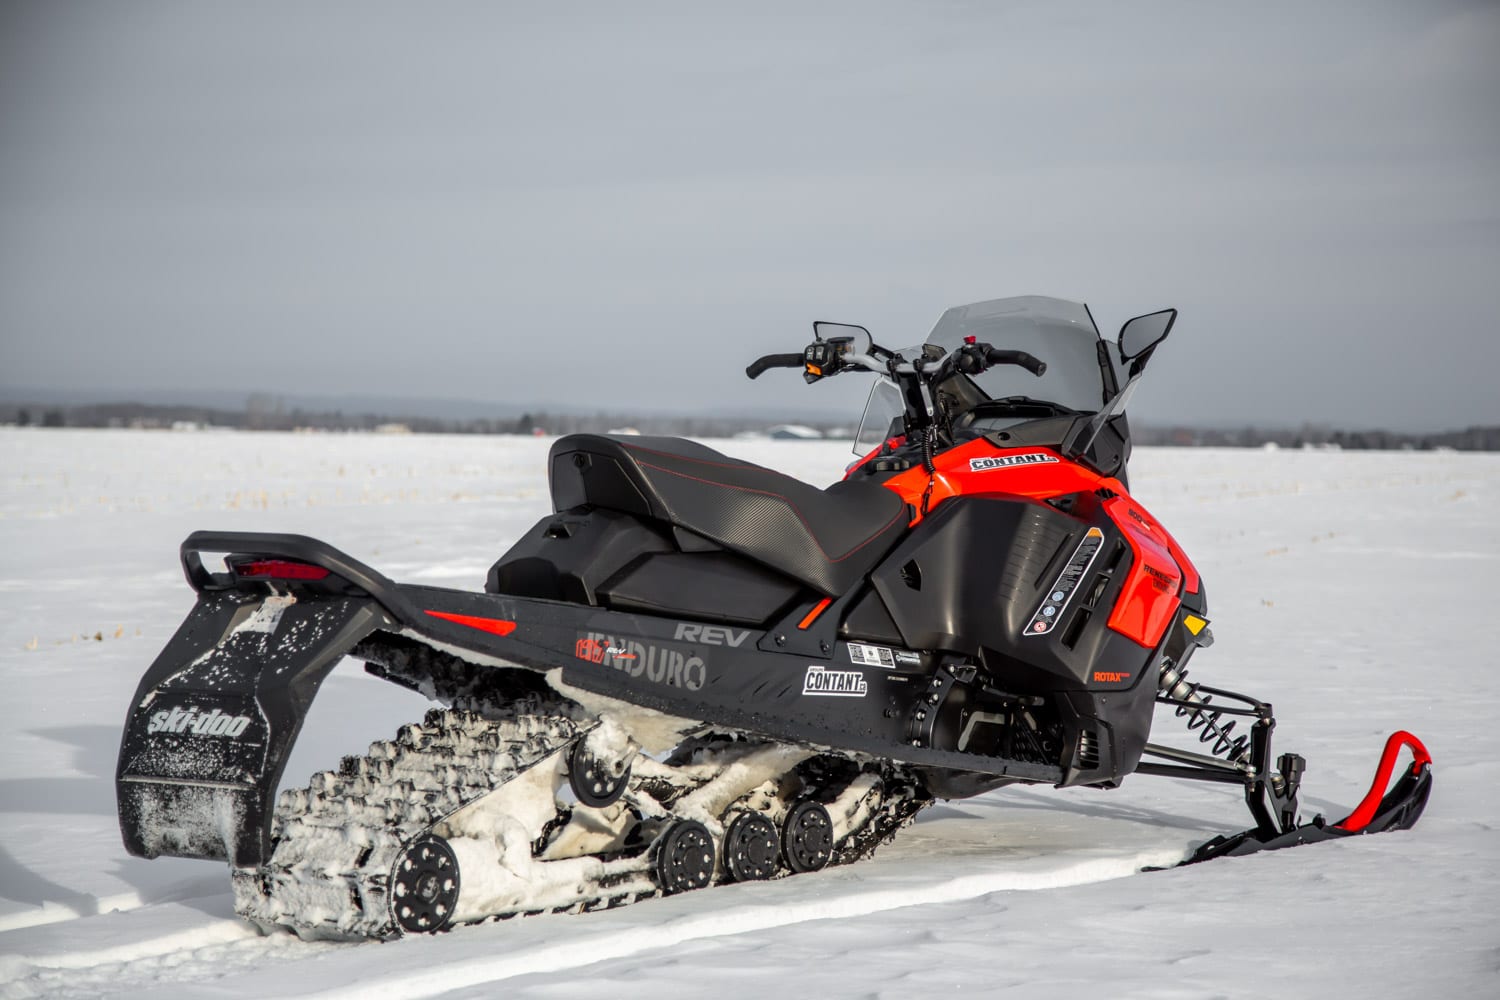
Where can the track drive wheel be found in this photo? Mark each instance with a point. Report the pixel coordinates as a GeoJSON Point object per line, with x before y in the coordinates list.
{"type": "Point", "coordinates": [596, 782]}
{"type": "Point", "coordinates": [751, 848]}
{"type": "Point", "coordinates": [807, 838]}
{"type": "Point", "coordinates": [685, 859]}
{"type": "Point", "coordinates": [424, 886]}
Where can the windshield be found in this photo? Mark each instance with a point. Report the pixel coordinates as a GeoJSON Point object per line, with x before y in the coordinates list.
{"type": "Point", "coordinates": [1056, 331]}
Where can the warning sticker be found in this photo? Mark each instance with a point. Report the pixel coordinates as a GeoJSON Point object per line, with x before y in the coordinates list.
{"type": "Point", "coordinates": [871, 656]}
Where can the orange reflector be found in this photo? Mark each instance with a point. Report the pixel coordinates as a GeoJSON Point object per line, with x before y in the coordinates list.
{"type": "Point", "coordinates": [499, 626]}
{"type": "Point", "coordinates": [817, 610]}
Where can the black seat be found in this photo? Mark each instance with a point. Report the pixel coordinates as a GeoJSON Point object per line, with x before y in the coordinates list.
{"type": "Point", "coordinates": [827, 539]}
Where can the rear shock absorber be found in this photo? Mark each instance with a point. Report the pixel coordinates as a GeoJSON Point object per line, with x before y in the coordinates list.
{"type": "Point", "coordinates": [1203, 719]}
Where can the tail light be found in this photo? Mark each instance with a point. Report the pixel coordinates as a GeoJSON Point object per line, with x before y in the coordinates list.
{"type": "Point", "coordinates": [278, 569]}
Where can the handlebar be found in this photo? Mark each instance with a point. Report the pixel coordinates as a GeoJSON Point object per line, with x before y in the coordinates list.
{"type": "Point", "coordinates": [994, 356]}
{"type": "Point", "coordinates": [773, 361]}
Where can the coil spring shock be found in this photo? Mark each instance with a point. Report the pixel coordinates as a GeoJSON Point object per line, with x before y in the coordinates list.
{"type": "Point", "coordinates": [1201, 717]}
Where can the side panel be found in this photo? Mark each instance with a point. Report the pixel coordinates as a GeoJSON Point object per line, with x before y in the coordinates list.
{"type": "Point", "coordinates": [850, 696]}
{"type": "Point", "coordinates": [1151, 593]}
{"type": "Point", "coordinates": [979, 574]}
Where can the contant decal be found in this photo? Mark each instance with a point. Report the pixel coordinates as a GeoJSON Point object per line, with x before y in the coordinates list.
{"type": "Point", "coordinates": [1010, 461]}
{"type": "Point", "coordinates": [834, 683]}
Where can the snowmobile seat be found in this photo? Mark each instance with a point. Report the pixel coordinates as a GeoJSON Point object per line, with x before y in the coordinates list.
{"type": "Point", "coordinates": [826, 539]}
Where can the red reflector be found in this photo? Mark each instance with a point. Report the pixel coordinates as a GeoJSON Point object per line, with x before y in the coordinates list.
{"type": "Point", "coordinates": [499, 626]}
{"type": "Point", "coordinates": [280, 569]}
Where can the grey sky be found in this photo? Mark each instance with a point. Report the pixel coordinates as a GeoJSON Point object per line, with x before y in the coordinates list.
{"type": "Point", "coordinates": [537, 202]}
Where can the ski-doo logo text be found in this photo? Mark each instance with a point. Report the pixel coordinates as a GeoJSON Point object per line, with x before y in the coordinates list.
{"type": "Point", "coordinates": [1010, 461]}
{"type": "Point", "coordinates": [198, 723]}
{"type": "Point", "coordinates": [835, 683]}
{"type": "Point", "coordinates": [711, 635]}
{"type": "Point", "coordinates": [639, 659]}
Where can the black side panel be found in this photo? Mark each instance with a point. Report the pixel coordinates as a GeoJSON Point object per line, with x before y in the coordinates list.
{"type": "Point", "coordinates": [972, 575]}
{"type": "Point", "coordinates": [714, 585]}
{"type": "Point", "coordinates": [967, 569]}
{"type": "Point", "coordinates": [568, 556]}
{"type": "Point", "coordinates": [868, 619]}
{"type": "Point", "coordinates": [208, 732]}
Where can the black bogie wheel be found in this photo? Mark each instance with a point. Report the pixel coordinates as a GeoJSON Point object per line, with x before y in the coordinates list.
{"type": "Point", "coordinates": [595, 783]}
{"type": "Point", "coordinates": [807, 838]}
{"type": "Point", "coordinates": [424, 886]}
{"type": "Point", "coordinates": [685, 858]}
{"type": "Point", "coordinates": [752, 850]}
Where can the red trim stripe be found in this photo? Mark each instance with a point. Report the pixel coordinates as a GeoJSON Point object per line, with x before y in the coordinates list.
{"type": "Point", "coordinates": [498, 626]}
{"type": "Point", "coordinates": [817, 610]}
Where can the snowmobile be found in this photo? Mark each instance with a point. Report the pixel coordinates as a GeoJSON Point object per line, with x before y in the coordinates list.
{"type": "Point", "coordinates": [700, 670]}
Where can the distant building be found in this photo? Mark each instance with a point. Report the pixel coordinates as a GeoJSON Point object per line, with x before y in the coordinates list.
{"type": "Point", "coordinates": [794, 432]}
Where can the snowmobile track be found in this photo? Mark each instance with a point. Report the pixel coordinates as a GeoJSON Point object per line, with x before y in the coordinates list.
{"type": "Point", "coordinates": [348, 849]}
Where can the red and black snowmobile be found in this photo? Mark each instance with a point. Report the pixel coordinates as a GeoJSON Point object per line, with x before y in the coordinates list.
{"type": "Point", "coordinates": [700, 669]}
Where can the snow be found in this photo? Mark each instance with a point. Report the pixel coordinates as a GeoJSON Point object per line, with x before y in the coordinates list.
{"type": "Point", "coordinates": [1348, 588]}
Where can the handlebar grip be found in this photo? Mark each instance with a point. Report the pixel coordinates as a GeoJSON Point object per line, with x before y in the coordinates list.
{"type": "Point", "coordinates": [773, 361]}
{"type": "Point", "coordinates": [1027, 361]}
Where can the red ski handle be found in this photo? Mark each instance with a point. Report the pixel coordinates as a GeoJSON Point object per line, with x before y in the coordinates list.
{"type": "Point", "coordinates": [1370, 805]}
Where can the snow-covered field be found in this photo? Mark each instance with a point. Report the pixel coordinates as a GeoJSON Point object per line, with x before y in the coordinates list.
{"type": "Point", "coordinates": [1350, 589]}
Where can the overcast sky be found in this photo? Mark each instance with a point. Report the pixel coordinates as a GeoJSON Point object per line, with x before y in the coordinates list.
{"type": "Point", "coordinates": [623, 204]}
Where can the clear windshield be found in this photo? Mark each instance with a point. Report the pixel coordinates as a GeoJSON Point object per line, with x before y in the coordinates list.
{"type": "Point", "coordinates": [1056, 331]}
{"type": "Point", "coordinates": [883, 406]}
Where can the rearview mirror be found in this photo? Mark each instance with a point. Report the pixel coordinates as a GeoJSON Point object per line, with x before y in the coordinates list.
{"type": "Point", "coordinates": [1140, 335]}
{"type": "Point", "coordinates": [857, 337]}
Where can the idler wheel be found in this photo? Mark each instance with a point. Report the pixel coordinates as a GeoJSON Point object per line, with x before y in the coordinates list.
{"type": "Point", "coordinates": [751, 847]}
{"type": "Point", "coordinates": [424, 886]}
{"type": "Point", "coordinates": [595, 782]}
{"type": "Point", "coordinates": [685, 859]}
{"type": "Point", "coordinates": [807, 838]}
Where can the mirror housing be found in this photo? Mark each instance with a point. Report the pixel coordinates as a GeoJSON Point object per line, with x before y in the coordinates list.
{"type": "Point", "coordinates": [832, 342]}
{"type": "Point", "coordinates": [858, 336]}
{"type": "Point", "coordinates": [1141, 335]}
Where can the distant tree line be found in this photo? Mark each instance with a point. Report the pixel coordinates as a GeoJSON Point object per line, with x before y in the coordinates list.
{"type": "Point", "coordinates": [1469, 439]}
{"type": "Point", "coordinates": [261, 413]}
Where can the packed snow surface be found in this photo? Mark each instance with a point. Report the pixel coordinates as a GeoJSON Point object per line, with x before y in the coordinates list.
{"type": "Point", "coordinates": [1352, 590]}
